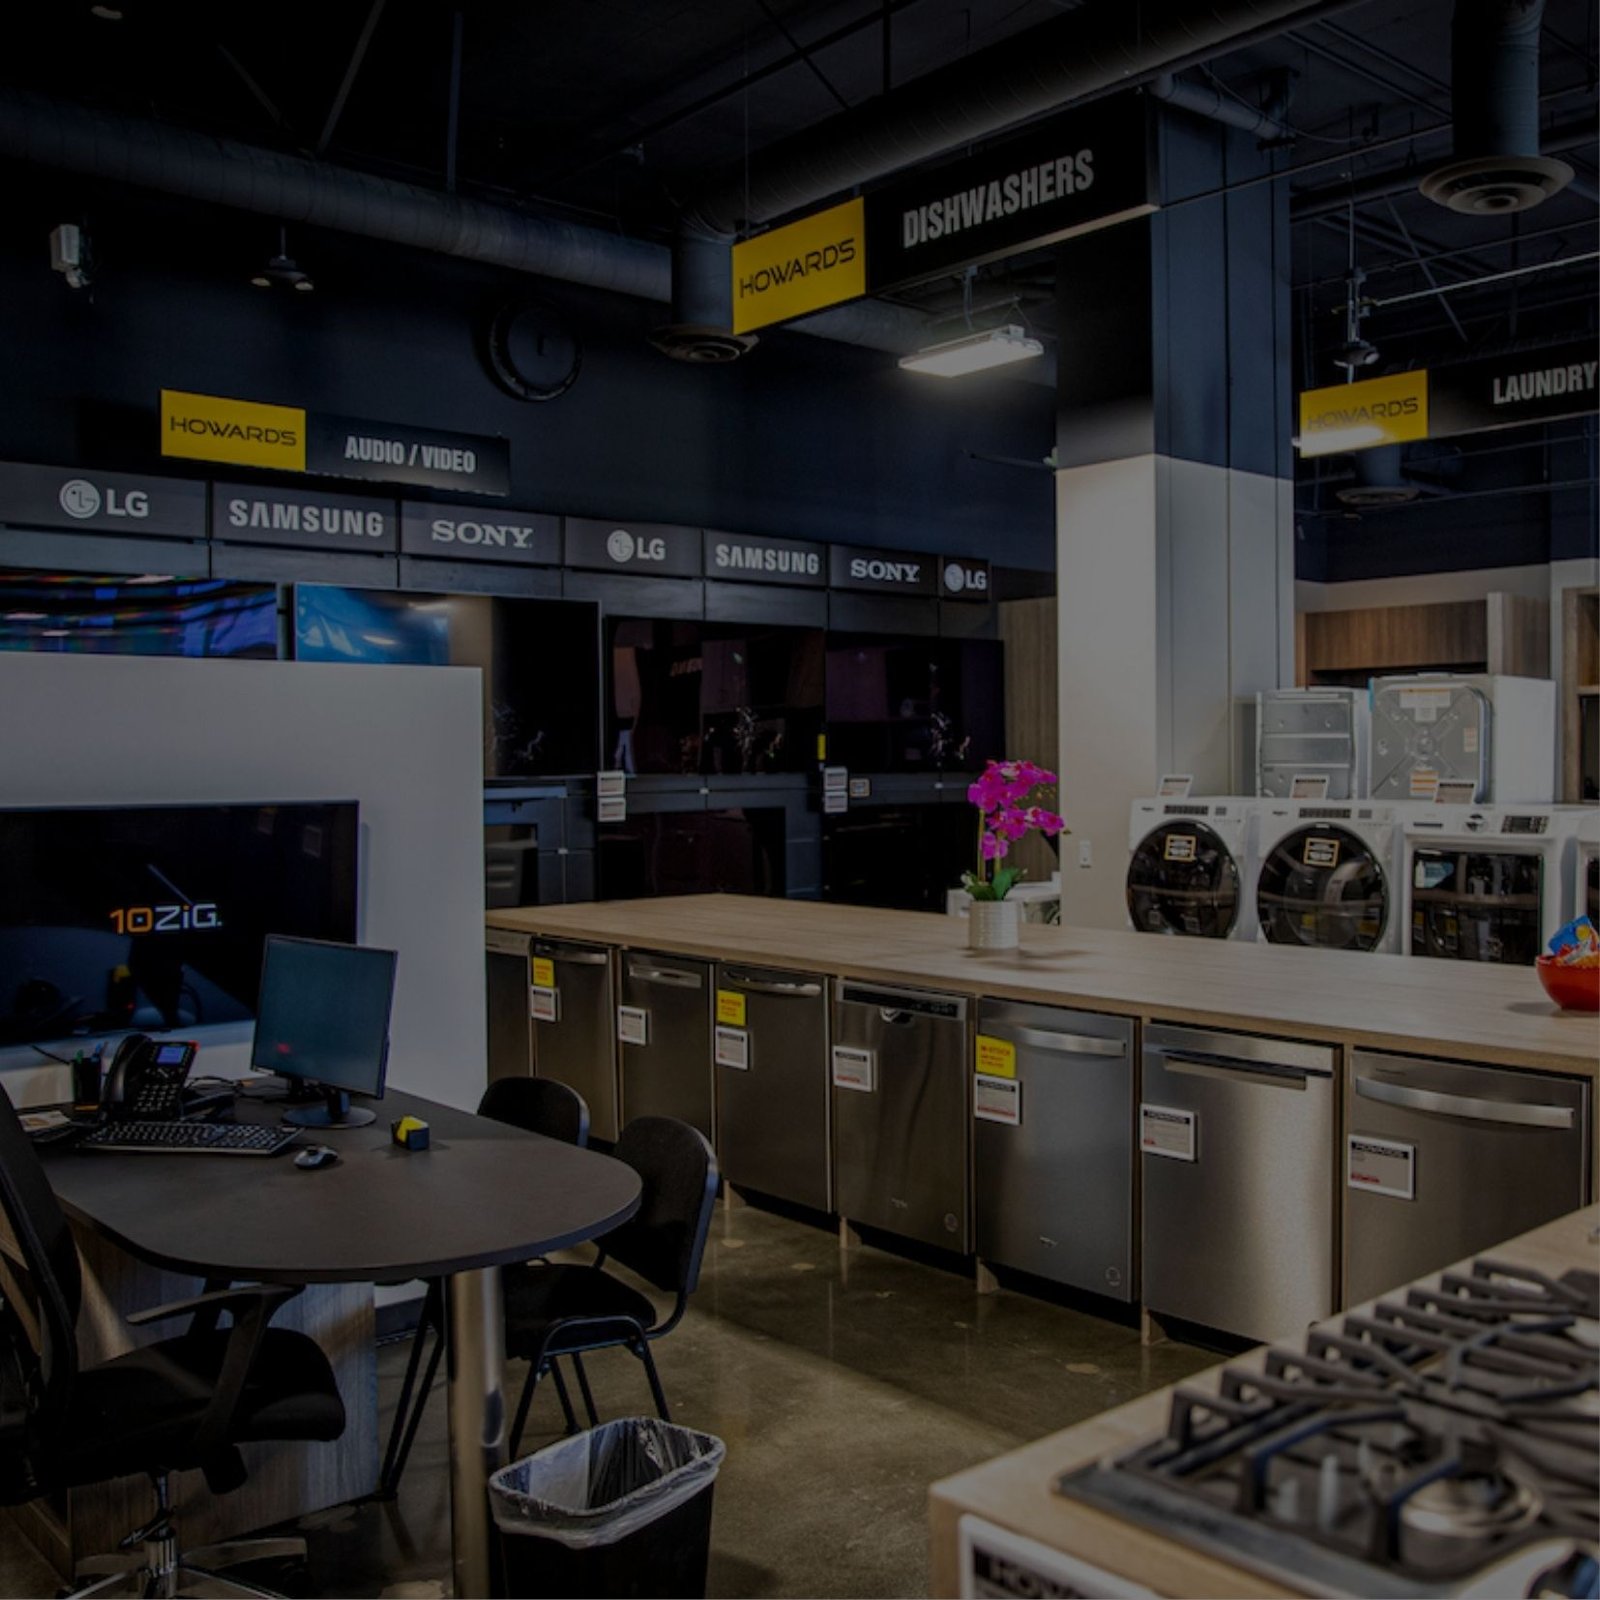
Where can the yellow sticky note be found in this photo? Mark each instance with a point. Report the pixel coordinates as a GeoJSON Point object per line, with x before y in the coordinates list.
{"type": "Point", "coordinates": [544, 972]}
{"type": "Point", "coordinates": [730, 1008]}
{"type": "Point", "coordinates": [822, 747]}
{"type": "Point", "coordinates": [996, 1058]}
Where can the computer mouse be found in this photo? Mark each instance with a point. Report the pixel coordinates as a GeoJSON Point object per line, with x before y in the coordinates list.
{"type": "Point", "coordinates": [316, 1155]}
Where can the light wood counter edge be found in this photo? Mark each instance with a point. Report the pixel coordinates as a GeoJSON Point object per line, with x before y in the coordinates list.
{"type": "Point", "coordinates": [1015, 1491]}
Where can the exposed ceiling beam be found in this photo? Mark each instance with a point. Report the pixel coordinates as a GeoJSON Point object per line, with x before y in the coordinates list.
{"type": "Point", "coordinates": [347, 82]}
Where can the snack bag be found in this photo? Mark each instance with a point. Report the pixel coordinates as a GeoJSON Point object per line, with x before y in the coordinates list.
{"type": "Point", "coordinates": [1576, 945]}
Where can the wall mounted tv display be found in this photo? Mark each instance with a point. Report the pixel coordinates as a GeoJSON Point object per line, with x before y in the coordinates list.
{"type": "Point", "coordinates": [706, 697]}
{"type": "Point", "coordinates": [735, 851]}
{"type": "Point", "coordinates": [156, 615]}
{"type": "Point", "coordinates": [904, 857]}
{"type": "Point", "coordinates": [914, 705]}
{"type": "Point", "coordinates": [154, 917]}
{"type": "Point", "coordinates": [540, 661]}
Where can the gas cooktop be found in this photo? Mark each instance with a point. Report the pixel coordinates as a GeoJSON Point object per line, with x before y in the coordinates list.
{"type": "Point", "coordinates": [1443, 1443]}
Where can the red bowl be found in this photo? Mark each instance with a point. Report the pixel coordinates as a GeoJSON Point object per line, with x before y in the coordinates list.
{"type": "Point", "coordinates": [1572, 988]}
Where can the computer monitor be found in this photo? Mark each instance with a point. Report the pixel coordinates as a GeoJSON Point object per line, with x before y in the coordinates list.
{"type": "Point", "coordinates": [322, 1021]}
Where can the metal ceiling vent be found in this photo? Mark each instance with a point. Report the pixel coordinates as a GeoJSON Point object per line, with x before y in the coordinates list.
{"type": "Point", "coordinates": [1495, 108]}
{"type": "Point", "coordinates": [702, 303]}
{"type": "Point", "coordinates": [1379, 481]}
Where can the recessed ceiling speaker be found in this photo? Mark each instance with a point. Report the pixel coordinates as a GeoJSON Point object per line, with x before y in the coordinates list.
{"type": "Point", "coordinates": [701, 346]}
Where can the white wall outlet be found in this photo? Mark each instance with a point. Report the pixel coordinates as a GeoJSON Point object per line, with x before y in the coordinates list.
{"type": "Point", "coordinates": [1085, 853]}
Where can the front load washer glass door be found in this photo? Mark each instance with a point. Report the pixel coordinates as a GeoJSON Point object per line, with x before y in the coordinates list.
{"type": "Point", "coordinates": [1477, 904]}
{"type": "Point", "coordinates": [1322, 885]}
{"type": "Point", "coordinates": [1183, 880]}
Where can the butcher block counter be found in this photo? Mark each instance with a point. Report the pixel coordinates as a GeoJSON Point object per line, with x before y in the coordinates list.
{"type": "Point", "coordinates": [1015, 1492]}
{"type": "Point", "coordinates": [1456, 1011]}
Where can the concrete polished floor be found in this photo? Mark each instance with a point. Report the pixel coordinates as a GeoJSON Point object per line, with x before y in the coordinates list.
{"type": "Point", "coordinates": [843, 1383]}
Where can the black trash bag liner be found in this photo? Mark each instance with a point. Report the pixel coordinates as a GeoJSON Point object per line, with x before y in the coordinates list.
{"type": "Point", "coordinates": [598, 1487]}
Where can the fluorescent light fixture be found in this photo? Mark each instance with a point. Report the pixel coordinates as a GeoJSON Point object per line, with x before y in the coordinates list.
{"type": "Point", "coordinates": [1333, 441]}
{"type": "Point", "coordinates": [975, 352]}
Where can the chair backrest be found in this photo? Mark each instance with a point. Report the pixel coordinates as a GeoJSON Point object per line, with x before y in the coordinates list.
{"type": "Point", "coordinates": [665, 1239]}
{"type": "Point", "coordinates": [538, 1105]}
{"type": "Point", "coordinates": [41, 1286]}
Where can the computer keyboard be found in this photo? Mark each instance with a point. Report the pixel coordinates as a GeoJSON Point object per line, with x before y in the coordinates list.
{"type": "Point", "coordinates": [184, 1138]}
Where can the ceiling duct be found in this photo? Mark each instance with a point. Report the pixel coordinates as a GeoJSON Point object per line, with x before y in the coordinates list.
{"type": "Point", "coordinates": [1497, 167]}
{"type": "Point", "coordinates": [702, 310]}
{"type": "Point", "coordinates": [1379, 480]}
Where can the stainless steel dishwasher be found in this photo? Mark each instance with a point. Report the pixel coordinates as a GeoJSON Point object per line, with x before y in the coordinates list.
{"type": "Point", "coordinates": [572, 998]}
{"type": "Point", "coordinates": [1236, 1149]}
{"type": "Point", "coordinates": [770, 1048]}
{"type": "Point", "coordinates": [664, 1039]}
{"type": "Point", "coordinates": [1444, 1159]}
{"type": "Point", "coordinates": [508, 999]}
{"type": "Point", "coordinates": [900, 1153]}
{"type": "Point", "coordinates": [1052, 1148]}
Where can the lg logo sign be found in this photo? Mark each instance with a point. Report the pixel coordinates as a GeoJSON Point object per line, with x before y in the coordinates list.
{"type": "Point", "coordinates": [82, 500]}
{"type": "Point", "coordinates": [624, 547]}
{"type": "Point", "coordinates": [969, 580]}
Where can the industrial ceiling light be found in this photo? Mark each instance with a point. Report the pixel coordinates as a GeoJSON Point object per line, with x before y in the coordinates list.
{"type": "Point", "coordinates": [281, 270]}
{"type": "Point", "coordinates": [1356, 351]}
{"type": "Point", "coordinates": [974, 352]}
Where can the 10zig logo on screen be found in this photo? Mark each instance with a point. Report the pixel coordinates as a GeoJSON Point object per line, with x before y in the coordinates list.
{"type": "Point", "coordinates": [196, 916]}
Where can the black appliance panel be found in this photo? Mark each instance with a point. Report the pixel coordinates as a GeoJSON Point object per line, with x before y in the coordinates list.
{"type": "Point", "coordinates": [734, 851]}
{"type": "Point", "coordinates": [904, 857]}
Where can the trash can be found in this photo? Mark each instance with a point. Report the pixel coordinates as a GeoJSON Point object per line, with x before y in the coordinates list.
{"type": "Point", "coordinates": [624, 1509]}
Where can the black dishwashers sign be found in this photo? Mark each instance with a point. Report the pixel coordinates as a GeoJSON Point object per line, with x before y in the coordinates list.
{"type": "Point", "coordinates": [101, 502]}
{"type": "Point", "coordinates": [742, 558]}
{"type": "Point", "coordinates": [645, 549]}
{"type": "Point", "coordinates": [1078, 171]}
{"type": "Point", "coordinates": [244, 514]}
{"type": "Point", "coordinates": [480, 533]}
{"type": "Point", "coordinates": [389, 452]}
{"type": "Point", "coordinates": [881, 571]}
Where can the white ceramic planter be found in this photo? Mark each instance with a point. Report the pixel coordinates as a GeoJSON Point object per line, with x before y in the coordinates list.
{"type": "Point", "coordinates": [993, 924]}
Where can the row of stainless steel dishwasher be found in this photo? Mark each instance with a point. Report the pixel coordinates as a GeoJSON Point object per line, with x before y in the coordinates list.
{"type": "Point", "coordinates": [1197, 1171]}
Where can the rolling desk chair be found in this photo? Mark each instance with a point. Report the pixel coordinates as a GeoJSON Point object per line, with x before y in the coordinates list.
{"type": "Point", "coordinates": [568, 1310]}
{"type": "Point", "coordinates": [536, 1105]}
{"type": "Point", "coordinates": [186, 1402]}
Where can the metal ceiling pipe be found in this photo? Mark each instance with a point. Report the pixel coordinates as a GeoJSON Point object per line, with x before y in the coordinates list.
{"type": "Point", "coordinates": [1494, 100]}
{"type": "Point", "coordinates": [1084, 53]}
{"type": "Point", "coordinates": [1205, 101]}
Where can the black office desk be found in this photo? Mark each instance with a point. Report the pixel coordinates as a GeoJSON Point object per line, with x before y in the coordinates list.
{"type": "Point", "coordinates": [482, 1196]}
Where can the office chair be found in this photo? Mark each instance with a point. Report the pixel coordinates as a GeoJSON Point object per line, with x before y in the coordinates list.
{"type": "Point", "coordinates": [186, 1402]}
{"type": "Point", "coordinates": [536, 1105]}
{"type": "Point", "coordinates": [568, 1310]}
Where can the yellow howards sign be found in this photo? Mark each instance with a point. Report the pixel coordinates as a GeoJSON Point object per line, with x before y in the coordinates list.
{"type": "Point", "coordinates": [816, 262]}
{"type": "Point", "coordinates": [1358, 416]}
{"type": "Point", "coordinates": [205, 427]}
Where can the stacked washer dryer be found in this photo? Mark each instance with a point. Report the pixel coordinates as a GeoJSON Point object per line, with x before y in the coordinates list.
{"type": "Point", "coordinates": [1329, 875]}
{"type": "Point", "coordinates": [1191, 870]}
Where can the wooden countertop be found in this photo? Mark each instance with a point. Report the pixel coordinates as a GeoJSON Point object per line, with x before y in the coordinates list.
{"type": "Point", "coordinates": [1463, 1011]}
{"type": "Point", "coordinates": [1014, 1491]}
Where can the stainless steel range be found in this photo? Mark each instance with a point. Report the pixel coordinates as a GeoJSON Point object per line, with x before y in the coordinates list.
{"type": "Point", "coordinates": [1443, 1443]}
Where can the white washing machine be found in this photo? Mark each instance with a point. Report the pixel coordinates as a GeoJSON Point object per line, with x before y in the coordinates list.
{"type": "Point", "coordinates": [1486, 883]}
{"type": "Point", "coordinates": [1328, 874]}
{"type": "Point", "coordinates": [1191, 867]}
{"type": "Point", "coordinates": [1585, 826]}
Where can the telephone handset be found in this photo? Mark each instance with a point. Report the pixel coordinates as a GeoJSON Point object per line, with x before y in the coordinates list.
{"type": "Point", "coordinates": [146, 1079]}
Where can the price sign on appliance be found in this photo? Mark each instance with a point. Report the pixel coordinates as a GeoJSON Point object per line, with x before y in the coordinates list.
{"type": "Point", "coordinates": [1381, 1166]}
{"type": "Point", "coordinates": [543, 972]}
{"type": "Point", "coordinates": [730, 1007]}
{"type": "Point", "coordinates": [544, 1004]}
{"type": "Point", "coordinates": [997, 1100]}
{"type": "Point", "coordinates": [1179, 847]}
{"type": "Point", "coordinates": [633, 1025]}
{"type": "Point", "coordinates": [733, 1048]}
{"type": "Point", "coordinates": [854, 1069]}
{"type": "Point", "coordinates": [1320, 852]}
{"type": "Point", "coordinates": [995, 1058]}
{"type": "Point", "coordinates": [1167, 1131]}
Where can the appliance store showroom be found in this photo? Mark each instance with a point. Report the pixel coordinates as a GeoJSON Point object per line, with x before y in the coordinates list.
{"type": "Point", "coordinates": [800, 798]}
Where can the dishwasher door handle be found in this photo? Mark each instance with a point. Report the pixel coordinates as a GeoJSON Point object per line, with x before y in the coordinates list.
{"type": "Point", "coordinates": [576, 958]}
{"type": "Point", "coordinates": [666, 976]}
{"type": "Point", "coordinates": [808, 991]}
{"type": "Point", "coordinates": [1066, 1044]}
{"type": "Point", "coordinates": [1236, 1068]}
{"type": "Point", "coordinates": [1521, 1114]}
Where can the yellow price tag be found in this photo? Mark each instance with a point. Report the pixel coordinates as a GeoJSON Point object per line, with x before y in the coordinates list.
{"type": "Point", "coordinates": [544, 972]}
{"type": "Point", "coordinates": [822, 747]}
{"type": "Point", "coordinates": [996, 1058]}
{"type": "Point", "coordinates": [730, 1008]}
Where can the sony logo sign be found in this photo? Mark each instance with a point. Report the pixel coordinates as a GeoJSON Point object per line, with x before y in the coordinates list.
{"type": "Point", "coordinates": [877, 570]}
{"type": "Point", "coordinates": [498, 535]}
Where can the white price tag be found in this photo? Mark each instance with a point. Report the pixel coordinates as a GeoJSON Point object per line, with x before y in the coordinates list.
{"type": "Point", "coordinates": [861, 788]}
{"type": "Point", "coordinates": [854, 1069]}
{"type": "Point", "coordinates": [835, 801]}
{"type": "Point", "coordinates": [544, 1005]}
{"type": "Point", "coordinates": [835, 780]}
{"type": "Point", "coordinates": [610, 783]}
{"type": "Point", "coordinates": [1456, 791]}
{"type": "Point", "coordinates": [997, 1100]}
{"type": "Point", "coordinates": [611, 808]}
{"type": "Point", "coordinates": [1381, 1166]}
{"type": "Point", "coordinates": [1167, 1131]}
{"type": "Point", "coordinates": [1309, 786]}
{"type": "Point", "coordinates": [1175, 786]}
{"type": "Point", "coordinates": [633, 1025]}
{"type": "Point", "coordinates": [733, 1048]}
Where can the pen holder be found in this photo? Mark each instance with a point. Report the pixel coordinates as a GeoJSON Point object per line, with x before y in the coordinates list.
{"type": "Point", "coordinates": [410, 1133]}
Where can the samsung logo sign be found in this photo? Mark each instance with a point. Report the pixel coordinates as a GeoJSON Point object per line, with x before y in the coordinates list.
{"type": "Point", "coordinates": [278, 517]}
{"type": "Point", "coordinates": [765, 558]}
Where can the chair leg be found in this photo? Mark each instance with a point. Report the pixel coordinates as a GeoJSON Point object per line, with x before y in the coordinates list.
{"type": "Point", "coordinates": [236, 1552]}
{"type": "Point", "coordinates": [585, 1391]}
{"type": "Point", "coordinates": [566, 1399]}
{"type": "Point", "coordinates": [655, 1380]}
{"type": "Point", "coordinates": [523, 1404]}
{"type": "Point", "coordinates": [406, 1417]}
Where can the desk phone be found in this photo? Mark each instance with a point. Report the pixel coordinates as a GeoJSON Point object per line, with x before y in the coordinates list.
{"type": "Point", "coordinates": [146, 1079]}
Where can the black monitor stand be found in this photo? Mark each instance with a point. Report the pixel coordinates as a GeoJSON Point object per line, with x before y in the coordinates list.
{"type": "Point", "coordinates": [326, 1108]}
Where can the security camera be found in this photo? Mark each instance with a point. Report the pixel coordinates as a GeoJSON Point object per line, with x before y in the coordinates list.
{"type": "Point", "coordinates": [69, 254]}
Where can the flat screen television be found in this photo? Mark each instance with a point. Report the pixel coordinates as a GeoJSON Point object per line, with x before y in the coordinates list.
{"type": "Point", "coordinates": [713, 697]}
{"type": "Point", "coordinates": [734, 851]}
{"type": "Point", "coordinates": [902, 857]}
{"type": "Point", "coordinates": [540, 661]}
{"type": "Point", "coordinates": [69, 613]}
{"type": "Point", "coordinates": [914, 705]}
{"type": "Point", "coordinates": [154, 917]}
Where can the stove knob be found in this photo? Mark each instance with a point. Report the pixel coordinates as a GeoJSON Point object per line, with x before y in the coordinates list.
{"type": "Point", "coordinates": [1576, 1578]}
